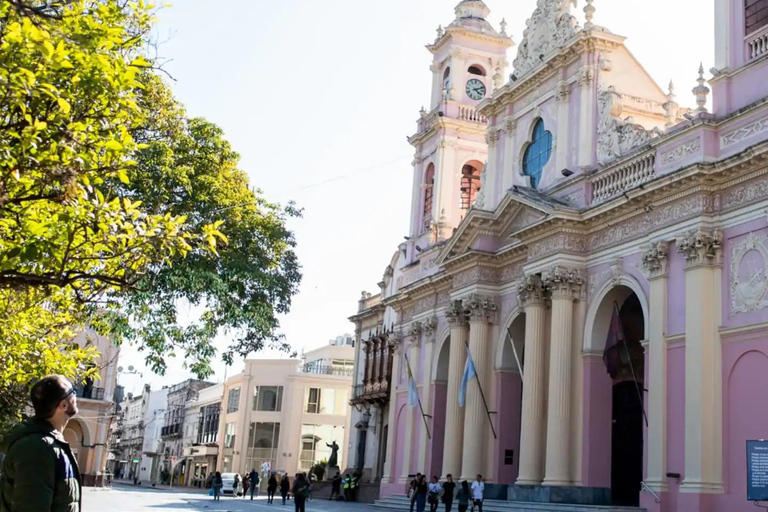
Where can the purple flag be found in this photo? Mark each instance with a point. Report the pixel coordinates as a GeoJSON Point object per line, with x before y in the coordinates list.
{"type": "Point", "coordinates": [613, 343]}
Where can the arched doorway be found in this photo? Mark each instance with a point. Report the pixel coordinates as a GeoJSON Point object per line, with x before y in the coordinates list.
{"type": "Point", "coordinates": [509, 381]}
{"type": "Point", "coordinates": [440, 393]}
{"type": "Point", "coordinates": [74, 435]}
{"type": "Point", "coordinates": [615, 396]}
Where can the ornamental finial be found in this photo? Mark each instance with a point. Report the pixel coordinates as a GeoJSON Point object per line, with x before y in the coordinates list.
{"type": "Point", "coordinates": [589, 13]}
{"type": "Point", "coordinates": [503, 26]}
{"type": "Point", "coordinates": [701, 92]}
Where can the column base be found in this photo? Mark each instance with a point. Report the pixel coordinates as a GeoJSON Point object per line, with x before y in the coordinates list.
{"type": "Point", "coordinates": [556, 483]}
{"type": "Point", "coordinates": [523, 481]}
{"type": "Point", "coordinates": [657, 485]}
{"type": "Point", "coordinates": [700, 487]}
{"type": "Point", "coordinates": [699, 502]}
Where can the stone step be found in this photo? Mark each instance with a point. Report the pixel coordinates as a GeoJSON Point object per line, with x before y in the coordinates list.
{"type": "Point", "coordinates": [403, 503]}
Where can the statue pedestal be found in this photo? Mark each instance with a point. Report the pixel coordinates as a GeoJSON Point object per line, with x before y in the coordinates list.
{"type": "Point", "coordinates": [331, 472]}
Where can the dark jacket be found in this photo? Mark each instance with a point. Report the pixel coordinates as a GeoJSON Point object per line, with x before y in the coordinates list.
{"type": "Point", "coordinates": [40, 473]}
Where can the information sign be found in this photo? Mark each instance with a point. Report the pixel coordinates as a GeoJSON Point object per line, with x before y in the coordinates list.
{"type": "Point", "coordinates": [757, 470]}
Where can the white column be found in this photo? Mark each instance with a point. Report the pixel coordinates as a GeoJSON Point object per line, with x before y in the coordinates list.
{"type": "Point", "coordinates": [445, 182]}
{"type": "Point", "coordinates": [534, 414]}
{"type": "Point", "coordinates": [458, 72]}
{"type": "Point", "coordinates": [454, 415]}
{"type": "Point", "coordinates": [577, 386]}
{"type": "Point", "coordinates": [413, 414]}
{"type": "Point", "coordinates": [587, 113]}
{"type": "Point", "coordinates": [655, 264]}
{"type": "Point", "coordinates": [437, 85]}
{"type": "Point", "coordinates": [703, 366]}
{"type": "Point", "coordinates": [395, 346]}
{"type": "Point", "coordinates": [477, 429]}
{"type": "Point", "coordinates": [564, 284]}
{"type": "Point", "coordinates": [510, 166]}
{"type": "Point", "coordinates": [426, 391]}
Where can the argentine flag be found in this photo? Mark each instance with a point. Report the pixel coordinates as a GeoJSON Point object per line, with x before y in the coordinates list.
{"type": "Point", "coordinates": [469, 372]}
{"type": "Point", "coordinates": [413, 394]}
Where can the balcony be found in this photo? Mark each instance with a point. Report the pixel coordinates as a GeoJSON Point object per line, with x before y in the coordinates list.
{"type": "Point", "coordinates": [337, 371]}
{"type": "Point", "coordinates": [89, 392]}
{"type": "Point", "coordinates": [173, 430]}
{"type": "Point", "coordinates": [377, 381]}
{"type": "Point", "coordinates": [757, 43]}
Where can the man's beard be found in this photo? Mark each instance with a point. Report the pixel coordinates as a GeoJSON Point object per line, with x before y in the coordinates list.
{"type": "Point", "coordinates": [71, 410]}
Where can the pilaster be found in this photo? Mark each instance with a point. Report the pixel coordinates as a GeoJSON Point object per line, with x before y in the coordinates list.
{"type": "Point", "coordinates": [412, 413]}
{"type": "Point", "coordinates": [533, 418]}
{"type": "Point", "coordinates": [481, 311]}
{"type": "Point", "coordinates": [510, 166]}
{"type": "Point", "coordinates": [703, 366]}
{"type": "Point", "coordinates": [395, 345]}
{"type": "Point", "coordinates": [564, 284]}
{"type": "Point", "coordinates": [489, 189]}
{"type": "Point", "coordinates": [562, 97]}
{"type": "Point", "coordinates": [445, 179]}
{"type": "Point", "coordinates": [655, 264]}
{"type": "Point", "coordinates": [454, 415]}
{"type": "Point", "coordinates": [429, 327]}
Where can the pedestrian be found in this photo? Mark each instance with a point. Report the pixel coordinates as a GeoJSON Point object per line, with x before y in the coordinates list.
{"type": "Point", "coordinates": [435, 490]}
{"type": "Point", "coordinates": [412, 490]}
{"type": "Point", "coordinates": [311, 480]}
{"type": "Point", "coordinates": [478, 487]}
{"type": "Point", "coordinates": [285, 487]}
{"type": "Point", "coordinates": [272, 487]}
{"type": "Point", "coordinates": [300, 492]}
{"type": "Point", "coordinates": [347, 483]}
{"type": "Point", "coordinates": [335, 487]}
{"type": "Point", "coordinates": [448, 491]}
{"type": "Point", "coordinates": [253, 480]}
{"type": "Point", "coordinates": [421, 494]}
{"type": "Point", "coordinates": [216, 485]}
{"type": "Point", "coordinates": [246, 484]}
{"type": "Point", "coordinates": [353, 483]}
{"type": "Point", "coordinates": [39, 472]}
{"type": "Point", "coordinates": [463, 496]}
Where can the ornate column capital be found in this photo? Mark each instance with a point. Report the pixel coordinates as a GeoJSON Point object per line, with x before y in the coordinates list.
{"type": "Point", "coordinates": [530, 292]}
{"type": "Point", "coordinates": [394, 340]}
{"type": "Point", "coordinates": [701, 247]}
{"type": "Point", "coordinates": [435, 67]}
{"type": "Point", "coordinates": [491, 137]}
{"type": "Point", "coordinates": [562, 92]}
{"type": "Point", "coordinates": [479, 308]}
{"type": "Point", "coordinates": [655, 260]}
{"type": "Point", "coordinates": [564, 283]}
{"type": "Point", "coordinates": [430, 327]}
{"type": "Point", "coordinates": [586, 75]}
{"type": "Point", "coordinates": [455, 314]}
{"type": "Point", "coordinates": [414, 333]}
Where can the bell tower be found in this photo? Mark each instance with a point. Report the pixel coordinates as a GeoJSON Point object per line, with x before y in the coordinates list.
{"type": "Point", "coordinates": [468, 66]}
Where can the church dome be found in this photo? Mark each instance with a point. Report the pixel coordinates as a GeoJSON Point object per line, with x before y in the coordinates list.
{"type": "Point", "coordinates": [472, 14]}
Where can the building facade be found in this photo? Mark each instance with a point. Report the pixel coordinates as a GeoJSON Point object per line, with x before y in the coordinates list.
{"type": "Point", "coordinates": [201, 435]}
{"type": "Point", "coordinates": [600, 253]}
{"type": "Point", "coordinates": [88, 432]}
{"type": "Point", "coordinates": [283, 414]}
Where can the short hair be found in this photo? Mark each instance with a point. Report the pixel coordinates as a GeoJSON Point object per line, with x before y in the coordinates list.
{"type": "Point", "coordinates": [47, 393]}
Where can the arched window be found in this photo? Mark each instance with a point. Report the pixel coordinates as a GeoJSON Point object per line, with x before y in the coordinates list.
{"type": "Point", "coordinates": [470, 185]}
{"type": "Point", "coordinates": [537, 154]}
{"type": "Point", "coordinates": [447, 78]}
{"type": "Point", "coordinates": [429, 191]}
{"type": "Point", "coordinates": [476, 70]}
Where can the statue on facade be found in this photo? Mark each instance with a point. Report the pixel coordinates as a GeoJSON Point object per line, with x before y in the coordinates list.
{"type": "Point", "coordinates": [333, 460]}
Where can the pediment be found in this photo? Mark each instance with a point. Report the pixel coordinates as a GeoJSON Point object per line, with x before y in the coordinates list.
{"type": "Point", "coordinates": [486, 231]}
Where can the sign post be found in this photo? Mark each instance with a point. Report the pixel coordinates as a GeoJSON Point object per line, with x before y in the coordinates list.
{"type": "Point", "coordinates": [757, 470]}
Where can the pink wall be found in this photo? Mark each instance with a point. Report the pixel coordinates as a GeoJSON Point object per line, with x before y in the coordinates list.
{"type": "Point", "coordinates": [435, 462]}
{"type": "Point", "coordinates": [596, 449]}
{"type": "Point", "coordinates": [676, 293]}
{"type": "Point", "coordinates": [732, 237]}
{"type": "Point", "coordinates": [402, 411]}
{"type": "Point", "coordinates": [675, 419]}
{"type": "Point", "coordinates": [509, 388]}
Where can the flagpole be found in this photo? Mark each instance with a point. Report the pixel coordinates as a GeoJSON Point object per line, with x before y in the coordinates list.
{"type": "Point", "coordinates": [632, 369]}
{"type": "Point", "coordinates": [482, 395]}
{"type": "Point", "coordinates": [421, 408]}
{"type": "Point", "coordinates": [514, 351]}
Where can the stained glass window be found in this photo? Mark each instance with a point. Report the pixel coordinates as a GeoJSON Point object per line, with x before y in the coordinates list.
{"type": "Point", "coordinates": [537, 154]}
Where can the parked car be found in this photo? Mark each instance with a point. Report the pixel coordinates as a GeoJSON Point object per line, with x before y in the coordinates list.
{"type": "Point", "coordinates": [228, 479]}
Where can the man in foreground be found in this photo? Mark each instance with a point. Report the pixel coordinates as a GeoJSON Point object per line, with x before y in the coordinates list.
{"type": "Point", "coordinates": [40, 473]}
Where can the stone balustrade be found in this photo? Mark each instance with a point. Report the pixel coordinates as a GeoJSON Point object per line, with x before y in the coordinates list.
{"type": "Point", "coordinates": [757, 44]}
{"type": "Point", "coordinates": [470, 114]}
{"type": "Point", "coordinates": [624, 176]}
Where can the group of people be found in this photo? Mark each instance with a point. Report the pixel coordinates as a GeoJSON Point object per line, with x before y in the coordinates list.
{"type": "Point", "coordinates": [302, 487]}
{"type": "Point", "coordinates": [435, 492]}
{"type": "Point", "coordinates": [350, 483]}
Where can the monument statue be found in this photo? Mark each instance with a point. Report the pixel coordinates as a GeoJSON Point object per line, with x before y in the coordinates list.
{"type": "Point", "coordinates": [333, 460]}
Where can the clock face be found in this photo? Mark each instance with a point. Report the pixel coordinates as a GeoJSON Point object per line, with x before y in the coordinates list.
{"type": "Point", "coordinates": [476, 89]}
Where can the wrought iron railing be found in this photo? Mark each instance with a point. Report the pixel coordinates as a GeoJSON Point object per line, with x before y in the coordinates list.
{"type": "Point", "coordinates": [339, 371]}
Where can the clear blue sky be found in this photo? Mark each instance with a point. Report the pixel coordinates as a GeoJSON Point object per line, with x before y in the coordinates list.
{"type": "Point", "coordinates": [318, 97]}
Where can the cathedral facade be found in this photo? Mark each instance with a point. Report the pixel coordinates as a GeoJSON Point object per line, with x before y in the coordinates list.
{"type": "Point", "coordinates": [598, 251]}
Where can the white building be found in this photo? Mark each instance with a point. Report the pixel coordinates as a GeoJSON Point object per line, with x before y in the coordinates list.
{"type": "Point", "coordinates": [201, 435]}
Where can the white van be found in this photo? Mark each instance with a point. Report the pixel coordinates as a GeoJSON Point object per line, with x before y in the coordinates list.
{"type": "Point", "coordinates": [228, 487]}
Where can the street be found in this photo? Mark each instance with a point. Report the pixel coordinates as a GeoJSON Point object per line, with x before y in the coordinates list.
{"type": "Point", "coordinates": [123, 498]}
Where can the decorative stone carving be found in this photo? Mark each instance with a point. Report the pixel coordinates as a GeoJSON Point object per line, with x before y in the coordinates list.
{"type": "Point", "coordinates": [479, 308]}
{"type": "Point", "coordinates": [615, 136]}
{"type": "Point", "coordinates": [558, 243]}
{"type": "Point", "coordinates": [491, 137]}
{"type": "Point", "coordinates": [586, 76]}
{"type": "Point", "coordinates": [743, 133]}
{"type": "Point", "coordinates": [531, 291]}
{"type": "Point", "coordinates": [681, 151]}
{"type": "Point", "coordinates": [455, 314]}
{"type": "Point", "coordinates": [510, 125]}
{"type": "Point", "coordinates": [414, 332]}
{"type": "Point", "coordinates": [475, 275]}
{"type": "Point", "coordinates": [394, 340]}
{"type": "Point", "coordinates": [749, 281]}
{"type": "Point", "coordinates": [563, 282]}
{"type": "Point", "coordinates": [671, 108]}
{"type": "Point", "coordinates": [655, 259]}
{"type": "Point", "coordinates": [550, 28]}
{"type": "Point", "coordinates": [430, 326]}
{"type": "Point", "coordinates": [701, 92]}
{"type": "Point", "coordinates": [562, 92]}
{"type": "Point", "coordinates": [701, 247]}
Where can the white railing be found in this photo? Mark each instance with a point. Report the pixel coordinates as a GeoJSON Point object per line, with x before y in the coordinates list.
{"type": "Point", "coordinates": [757, 44]}
{"type": "Point", "coordinates": [470, 114]}
{"type": "Point", "coordinates": [613, 181]}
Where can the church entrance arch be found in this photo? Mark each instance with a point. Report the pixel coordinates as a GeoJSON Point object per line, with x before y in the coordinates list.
{"type": "Point", "coordinates": [440, 392]}
{"type": "Point", "coordinates": [510, 358]}
{"type": "Point", "coordinates": [615, 396]}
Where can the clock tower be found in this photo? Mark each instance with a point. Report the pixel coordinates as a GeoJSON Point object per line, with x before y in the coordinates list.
{"type": "Point", "coordinates": [469, 63]}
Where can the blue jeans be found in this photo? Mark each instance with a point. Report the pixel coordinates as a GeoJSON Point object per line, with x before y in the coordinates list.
{"type": "Point", "coordinates": [421, 502]}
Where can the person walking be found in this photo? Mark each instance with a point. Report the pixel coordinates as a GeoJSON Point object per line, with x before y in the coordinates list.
{"type": "Point", "coordinates": [300, 492]}
{"type": "Point", "coordinates": [478, 487]}
{"type": "Point", "coordinates": [335, 487]}
{"type": "Point", "coordinates": [216, 485]}
{"type": "Point", "coordinates": [246, 484]}
{"type": "Point", "coordinates": [272, 487]}
{"type": "Point", "coordinates": [421, 494]}
{"type": "Point", "coordinates": [435, 490]}
{"type": "Point", "coordinates": [413, 485]}
{"type": "Point", "coordinates": [253, 482]}
{"type": "Point", "coordinates": [285, 487]}
{"type": "Point", "coordinates": [39, 472]}
{"type": "Point", "coordinates": [464, 496]}
{"type": "Point", "coordinates": [449, 489]}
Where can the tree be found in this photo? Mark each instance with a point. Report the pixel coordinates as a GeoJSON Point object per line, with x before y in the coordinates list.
{"type": "Point", "coordinates": [187, 169]}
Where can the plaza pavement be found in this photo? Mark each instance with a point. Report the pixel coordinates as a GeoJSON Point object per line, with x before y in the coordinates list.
{"type": "Point", "coordinates": [127, 498]}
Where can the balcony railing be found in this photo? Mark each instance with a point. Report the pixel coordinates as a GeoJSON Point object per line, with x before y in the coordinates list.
{"type": "Point", "coordinates": [171, 430]}
{"type": "Point", "coordinates": [757, 44]}
{"type": "Point", "coordinates": [338, 371]}
{"type": "Point", "coordinates": [470, 114]}
{"type": "Point", "coordinates": [611, 182]}
{"type": "Point", "coordinates": [89, 392]}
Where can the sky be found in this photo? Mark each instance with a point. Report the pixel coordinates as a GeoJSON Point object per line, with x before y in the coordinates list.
{"type": "Point", "coordinates": [318, 97]}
